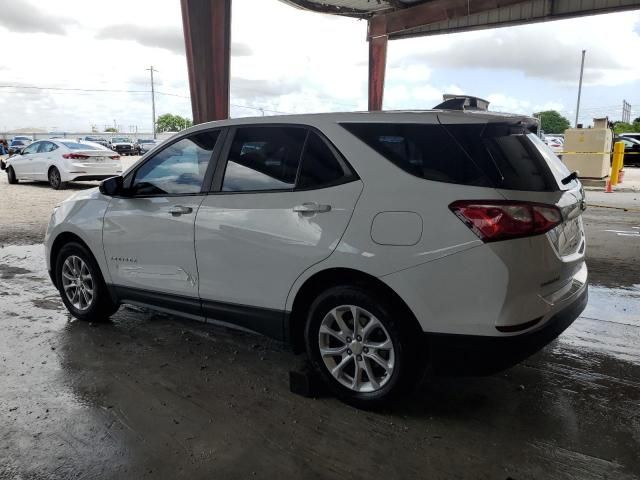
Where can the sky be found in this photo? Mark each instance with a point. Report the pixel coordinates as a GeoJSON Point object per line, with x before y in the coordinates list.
{"type": "Point", "coordinates": [285, 60]}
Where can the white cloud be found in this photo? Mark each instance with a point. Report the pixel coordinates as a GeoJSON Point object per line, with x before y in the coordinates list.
{"type": "Point", "coordinates": [284, 60]}
{"type": "Point", "coordinates": [549, 51]}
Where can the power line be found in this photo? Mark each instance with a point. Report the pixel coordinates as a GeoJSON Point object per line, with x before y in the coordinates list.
{"type": "Point", "coordinates": [31, 87]}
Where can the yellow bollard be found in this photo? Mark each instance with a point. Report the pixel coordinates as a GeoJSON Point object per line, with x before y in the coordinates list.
{"type": "Point", "coordinates": [616, 164]}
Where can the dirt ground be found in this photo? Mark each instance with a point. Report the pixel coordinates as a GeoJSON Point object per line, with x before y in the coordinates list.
{"type": "Point", "coordinates": [153, 396]}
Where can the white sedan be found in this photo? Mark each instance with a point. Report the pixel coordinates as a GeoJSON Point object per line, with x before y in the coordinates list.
{"type": "Point", "coordinates": [63, 160]}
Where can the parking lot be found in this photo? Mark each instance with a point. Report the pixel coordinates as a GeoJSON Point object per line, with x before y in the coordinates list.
{"type": "Point", "coordinates": [206, 402]}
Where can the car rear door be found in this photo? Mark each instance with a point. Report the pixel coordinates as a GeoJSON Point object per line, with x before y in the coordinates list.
{"type": "Point", "coordinates": [281, 201]}
{"type": "Point", "coordinates": [148, 233]}
{"type": "Point", "coordinates": [43, 159]}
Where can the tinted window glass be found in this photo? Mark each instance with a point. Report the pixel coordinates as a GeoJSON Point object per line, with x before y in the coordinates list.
{"type": "Point", "coordinates": [499, 155]}
{"type": "Point", "coordinates": [426, 151]}
{"type": "Point", "coordinates": [319, 164]}
{"type": "Point", "coordinates": [508, 155]}
{"type": "Point", "coordinates": [179, 169]}
{"type": "Point", "coordinates": [264, 158]}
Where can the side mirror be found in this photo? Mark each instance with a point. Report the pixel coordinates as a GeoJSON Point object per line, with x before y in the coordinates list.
{"type": "Point", "coordinates": [112, 186]}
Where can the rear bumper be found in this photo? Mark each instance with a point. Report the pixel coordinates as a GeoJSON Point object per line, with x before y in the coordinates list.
{"type": "Point", "coordinates": [453, 354]}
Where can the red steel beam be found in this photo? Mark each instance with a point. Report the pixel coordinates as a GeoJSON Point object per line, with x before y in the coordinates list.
{"type": "Point", "coordinates": [427, 13]}
{"type": "Point", "coordinates": [377, 69]}
{"type": "Point", "coordinates": [207, 37]}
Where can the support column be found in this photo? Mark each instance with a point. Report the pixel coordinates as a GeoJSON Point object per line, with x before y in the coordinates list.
{"type": "Point", "coordinates": [377, 68]}
{"type": "Point", "coordinates": [207, 38]}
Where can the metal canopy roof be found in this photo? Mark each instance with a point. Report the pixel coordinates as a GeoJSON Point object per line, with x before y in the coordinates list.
{"type": "Point", "coordinates": [410, 18]}
{"type": "Point", "coordinates": [354, 8]}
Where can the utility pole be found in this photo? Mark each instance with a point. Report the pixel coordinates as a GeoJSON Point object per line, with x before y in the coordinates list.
{"type": "Point", "coordinates": [580, 88]}
{"type": "Point", "coordinates": [626, 111]}
{"type": "Point", "coordinates": [153, 100]}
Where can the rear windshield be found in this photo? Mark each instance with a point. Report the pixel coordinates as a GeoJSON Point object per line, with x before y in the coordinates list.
{"type": "Point", "coordinates": [490, 155]}
{"type": "Point", "coordinates": [79, 146]}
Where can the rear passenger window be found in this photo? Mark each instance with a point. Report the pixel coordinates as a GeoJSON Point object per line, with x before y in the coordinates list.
{"type": "Point", "coordinates": [264, 158]}
{"type": "Point", "coordinates": [319, 165]}
{"type": "Point", "coordinates": [46, 147]}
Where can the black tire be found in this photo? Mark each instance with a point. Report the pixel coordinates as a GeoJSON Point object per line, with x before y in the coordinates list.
{"type": "Point", "coordinates": [101, 306]}
{"type": "Point", "coordinates": [407, 369]}
{"type": "Point", "coordinates": [55, 180]}
{"type": "Point", "coordinates": [11, 176]}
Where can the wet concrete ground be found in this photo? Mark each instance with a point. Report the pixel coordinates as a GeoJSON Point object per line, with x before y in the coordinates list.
{"type": "Point", "coordinates": [151, 396]}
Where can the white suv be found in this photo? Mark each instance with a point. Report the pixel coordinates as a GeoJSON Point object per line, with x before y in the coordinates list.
{"type": "Point", "coordinates": [380, 243]}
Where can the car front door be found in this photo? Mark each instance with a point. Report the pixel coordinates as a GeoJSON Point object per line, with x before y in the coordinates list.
{"type": "Point", "coordinates": [148, 232]}
{"type": "Point", "coordinates": [23, 163]}
{"type": "Point", "coordinates": [279, 205]}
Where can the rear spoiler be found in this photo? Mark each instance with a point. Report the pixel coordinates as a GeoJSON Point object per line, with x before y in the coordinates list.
{"type": "Point", "coordinates": [462, 103]}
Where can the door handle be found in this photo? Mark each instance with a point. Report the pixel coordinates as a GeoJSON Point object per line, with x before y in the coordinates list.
{"type": "Point", "coordinates": [178, 210]}
{"type": "Point", "coordinates": [312, 208]}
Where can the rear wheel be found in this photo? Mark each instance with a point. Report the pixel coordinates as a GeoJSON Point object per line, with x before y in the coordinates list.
{"type": "Point", "coordinates": [55, 180]}
{"type": "Point", "coordinates": [81, 285]}
{"type": "Point", "coordinates": [361, 346]}
{"type": "Point", "coordinates": [11, 176]}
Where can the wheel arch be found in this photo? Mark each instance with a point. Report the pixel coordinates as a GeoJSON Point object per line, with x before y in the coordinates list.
{"type": "Point", "coordinates": [332, 277]}
{"type": "Point", "coordinates": [60, 241]}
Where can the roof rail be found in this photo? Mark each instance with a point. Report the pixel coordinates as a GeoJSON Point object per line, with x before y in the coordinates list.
{"type": "Point", "coordinates": [462, 102]}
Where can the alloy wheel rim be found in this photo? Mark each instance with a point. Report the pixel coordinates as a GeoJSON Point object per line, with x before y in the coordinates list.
{"type": "Point", "coordinates": [356, 348]}
{"type": "Point", "coordinates": [77, 283]}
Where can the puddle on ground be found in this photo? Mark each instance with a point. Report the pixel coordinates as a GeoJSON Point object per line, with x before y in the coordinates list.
{"type": "Point", "coordinates": [610, 324]}
{"type": "Point", "coordinates": [151, 395]}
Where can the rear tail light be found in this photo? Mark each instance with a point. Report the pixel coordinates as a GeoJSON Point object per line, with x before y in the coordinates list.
{"type": "Point", "coordinates": [496, 220]}
{"type": "Point", "coordinates": [115, 157]}
{"type": "Point", "coordinates": [75, 156]}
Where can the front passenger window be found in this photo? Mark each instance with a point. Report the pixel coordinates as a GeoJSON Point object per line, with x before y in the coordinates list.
{"type": "Point", "coordinates": [31, 149]}
{"type": "Point", "coordinates": [178, 169]}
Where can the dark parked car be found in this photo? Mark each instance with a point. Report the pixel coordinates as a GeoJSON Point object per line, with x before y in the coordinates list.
{"type": "Point", "coordinates": [100, 140]}
{"type": "Point", "coordinates": [635, 135]}
{"type": "Point", "coordinates": [631, 151]}
{"type": "Point", "coordinates": [143, 145]}
{"type": "Point", "coordinates": [16, 146]}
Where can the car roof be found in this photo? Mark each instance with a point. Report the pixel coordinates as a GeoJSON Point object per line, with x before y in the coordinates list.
{"type": "Point", "coordinates": [400, 116]}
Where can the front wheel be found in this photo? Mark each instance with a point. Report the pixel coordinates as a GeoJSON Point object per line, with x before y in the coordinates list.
{"type": "Point", "coordinates": [55, 180]}
{"type": "Point", "coordinates": [361, 346]}
{"type": "Point", "coordinates": [81, 285]}
{"type": "Point", "coordinates": [11, 176]}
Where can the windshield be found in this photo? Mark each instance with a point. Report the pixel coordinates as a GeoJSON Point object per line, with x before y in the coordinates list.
{"type": "Point", "coordinates": [78, 146]}
{"type": "Point", "coordinates": [120, 140]}
{"type": "Point", "coordinates": [17, 143]}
